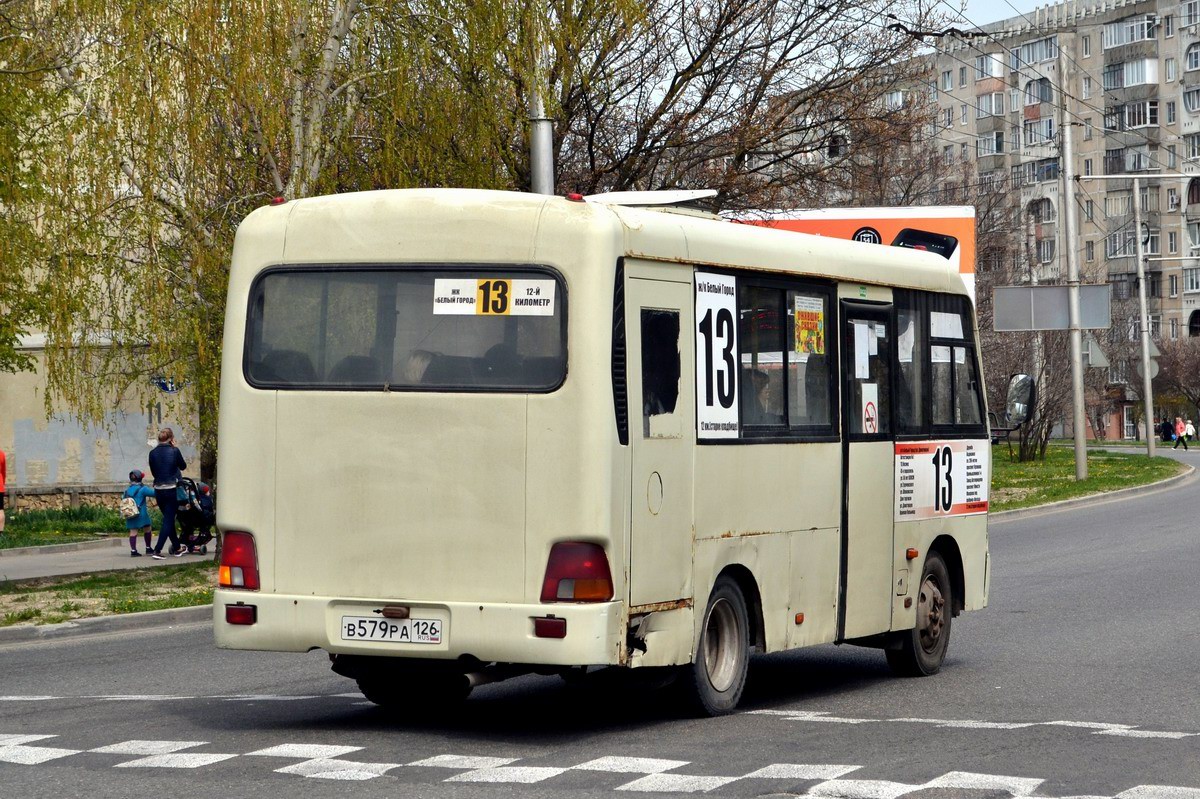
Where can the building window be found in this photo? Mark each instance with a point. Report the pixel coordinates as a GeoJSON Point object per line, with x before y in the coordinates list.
{"type": "Point", "coordinates": [1191, 59]}
{"type": "Point", "coordinates": [948, 154]}
{"type": "Point", "coordinates": [1141, 115]}
{"type": "Point", "coordinates": [947, 81]}
{"type": "Point", "coordinates": [991, 144]}
{"type": "Point", "coordinates": [1172, 203]}
{"type": "Point", "coordinates": [1038, 91]}
{"type": "Point", "coordinates": [1039, 131]}
{"type": "Point", "coordinates": [1170, 69]}
{"type": "Point", "coordinates": [1154, 244]}
{"type": "Point", "coordinates": [1193, 230]}
{"type": "Point", "coordinates": [1087, 87]}
{"type": "Point", "coordinates": [947, 117]}
{"type": "Point", "coordinates": [1089, 251]}
{"type": "Point", "coordinates": [1140, 72]}
{"type": "Point", "coordinates": [1189, 12]}
{"type": "Point", "coordinates": [1155, 324]}
{"type": "Point", "coordinates": [1113, 77]}
{"type": "Point", "coordinates": [1172, 243]}
{"type": "Point", "coordinates": [1191, 146]}
{"type": "Point", "coordinates": [1191, 99]}
{"type": "Point", "coordinates": [1154, 287]}
{"type": "Point", "coordinates": [1137, 28]}
{"type": "Point", "coordinates": [1174, 322]}
{"type": "Point", "coordinates": [1087, 129]}
{"type": "Point", "coordinates": [964, 152]}
{"type": "Point", "coordinates": [1191, 280]}
{"type": "Point", "coordinates": [962, 77]}
{"type": "Point", "coordinates": [988, 105]}
{"type": "Point", "coordinates": [1170, 112]}
{"type": "Point", "coordinates": [1045, 251]}
{"type": "Point", "coordinates": [1039, 50]}
{"type": "Point", "coordinates": [1168, 26]}
{"type": "Point", "coordinates": [1118, 203]}
{"type": "Point", "coordinates": [1087, 166]}
{"type": "Point", "coordinates": [1087, 46]}
{"type": "Point", "coordinates": [1121, 244]}
{"type": "Point", "coordinates": [989, 66]}
{"type": "Point", "coordinates": [1089, 210]}
{"type": "Point", "coordinates": [1172, 159]}
{"type": "Point", "coordinates": [962, 114]}
{"type": "Point", "coordinates": [1173, 282]}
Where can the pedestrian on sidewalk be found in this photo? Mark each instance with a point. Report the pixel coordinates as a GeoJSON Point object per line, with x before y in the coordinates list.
{"type": "Point", "coordinates": [1180, 433]}
{"type": "Point", "coordinates": [1190, 429]}
{"type": "Point", "coordinates": [167, 465]}
{"type": "Point", "coordinates": [1166, 430]}
{"type": "Point", "coordinates": [3, 474]}
{"type": "Point", "coordinates": [140, 522]}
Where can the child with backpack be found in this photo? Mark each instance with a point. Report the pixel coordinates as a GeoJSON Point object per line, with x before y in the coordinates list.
{"type": "Point", "coordinates": [137, 515]}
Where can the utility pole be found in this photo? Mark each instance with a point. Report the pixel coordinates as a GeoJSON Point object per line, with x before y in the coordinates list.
{"type": "Point", "coordinates": [541, 131]}
{"type": "Point", "coordinates": [1144, 317]}
{"type": "Point", "coordinates": [1070, 226]}
{"type": "Point", "coordinates": [1143, 314]}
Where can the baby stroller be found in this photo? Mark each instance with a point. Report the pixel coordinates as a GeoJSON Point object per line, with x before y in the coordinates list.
{"type": "Point", "coordinates": [196, 515]}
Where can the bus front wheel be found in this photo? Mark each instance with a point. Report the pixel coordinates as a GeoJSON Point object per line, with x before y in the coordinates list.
{"type": "Point", "coordinates": [923, 648]}
{"type": "Point", "coordinates": [713, 683]}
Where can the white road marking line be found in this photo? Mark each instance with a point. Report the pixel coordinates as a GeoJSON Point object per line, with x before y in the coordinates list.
{"type": "Point", "coordinates": [800, 771]}
{"type": "Point", "coordinates": [305, 751]}
{"type": "Point", "coordinates": [862, 789]}
{"type": "Point", "coordinates": [676, 783]}
{"type": "Point", "coordinates": [814, 715]}
{"type": "Point", "coordinates": [1147, 734]}
{"type": "Point", "coordinates": [263, 697]}
{"type": "Point", "coordinates": [630, 765]}
{"type": "Point", "coordinates": [465, 762]}
{"type": "Point", "coordinates": [32, 755]}
{"type": "Point", "coordinates": [178, 760]}
{"type": "Point", "coordinates": [12, 739]}
{"type": "Point", "coordinates": [138, 698]}
{"type": "Point", "coordinates": [325, 769]}
{"type": "Point", "coordinates": [970, 724]}
{"type": "Point", "coordinates": [521, 774]}
{"type": "Point", "coordinates": [1159, 792]}
{"type": "Point", "coordinates": [27, 698]}
{"type": "Point", "coordinates": [146, 747]}
{"type": "Point", "coordinates": [350, 695]}
{"type": "Point", "coordinates": [1088, 725]}
{"type": "Point", "coordinates": [1016, 786]}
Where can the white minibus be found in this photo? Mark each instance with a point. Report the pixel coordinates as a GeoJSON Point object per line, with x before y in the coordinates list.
{"type": "Point", "coordinates": [469, 434]}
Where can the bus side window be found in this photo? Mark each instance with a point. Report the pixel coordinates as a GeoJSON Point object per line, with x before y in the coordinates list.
{"type": "Point", "coordinates": [956, 389]}
{"type": "Point", "coordinates": [912, 335]}
{"type": "Point", "coordinates": [660, 364]}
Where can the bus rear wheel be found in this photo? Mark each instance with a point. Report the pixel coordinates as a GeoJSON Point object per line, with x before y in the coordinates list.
{"type": "Point", "coordinates": [713, 683]}
{"type": "Point", "coordinates": [923, 648]}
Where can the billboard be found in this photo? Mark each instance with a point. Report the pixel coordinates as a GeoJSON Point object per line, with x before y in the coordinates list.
{"type": "Point", "coordinates": [883, 225]}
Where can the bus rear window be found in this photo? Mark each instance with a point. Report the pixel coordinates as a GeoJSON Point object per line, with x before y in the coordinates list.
{"type": "Point", "coordinates": [407, 328]}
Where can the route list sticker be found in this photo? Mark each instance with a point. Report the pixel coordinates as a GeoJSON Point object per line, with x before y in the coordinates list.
{"type": "Point", "coordinates": [493, 297]}
{"type": "Point", "coordinates": [716, 356]}
{"type": "Point", "coordinates": [941, 478]}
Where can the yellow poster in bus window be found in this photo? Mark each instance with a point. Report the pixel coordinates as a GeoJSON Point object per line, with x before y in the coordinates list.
{"type": "Point", "coordinates": [810, 325]}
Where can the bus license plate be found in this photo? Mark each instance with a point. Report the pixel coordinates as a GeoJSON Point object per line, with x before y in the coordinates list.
{"type": "Point", "coordinates": [400, 631]}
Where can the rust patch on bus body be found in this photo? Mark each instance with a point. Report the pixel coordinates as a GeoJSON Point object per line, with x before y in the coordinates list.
{"type": "Point", "coordinates": [655, 607]}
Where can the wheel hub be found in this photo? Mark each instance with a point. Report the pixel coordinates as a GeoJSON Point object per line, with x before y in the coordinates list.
{"type": "Point", "coordinates": [931, 610]}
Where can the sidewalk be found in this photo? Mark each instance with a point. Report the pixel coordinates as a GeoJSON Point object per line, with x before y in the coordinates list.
{"type": "Point", "coordinates": [84, 558]}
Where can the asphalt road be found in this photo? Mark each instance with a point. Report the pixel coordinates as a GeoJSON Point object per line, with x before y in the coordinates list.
{"type": "Point", "coordinates": [1080, 679]}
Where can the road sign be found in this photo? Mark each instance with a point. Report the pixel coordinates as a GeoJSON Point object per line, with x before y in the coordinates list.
{"type": "Point", "coordinates": [1153, 368]}
{"type": "Point", "coordinates": [1023, 308]}
{"type": "Point", "coordinates": [1092, 354]}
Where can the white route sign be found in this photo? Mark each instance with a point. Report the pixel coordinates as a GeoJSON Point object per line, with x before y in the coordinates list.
{"type": "Point", "coordinates": [716, 356]}
{"type": "Point", "coordinates": [942, 478]}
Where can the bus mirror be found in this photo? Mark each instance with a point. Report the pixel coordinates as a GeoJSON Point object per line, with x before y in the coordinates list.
{"type": "Point", "coordinates": [1021, 391]}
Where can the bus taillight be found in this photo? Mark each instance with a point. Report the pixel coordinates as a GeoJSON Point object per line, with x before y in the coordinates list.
{"type": "Point", "coordinates": [239, 562]}
{"type": "Point", "coordinates": [577, 572]}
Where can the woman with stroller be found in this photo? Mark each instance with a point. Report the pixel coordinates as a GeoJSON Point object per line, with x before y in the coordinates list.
{"type": "Point", "coordinates": [167, 465]}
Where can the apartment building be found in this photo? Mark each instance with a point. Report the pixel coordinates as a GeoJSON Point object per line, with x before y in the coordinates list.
{"type": "Point", "coordinates": [1129, 81]}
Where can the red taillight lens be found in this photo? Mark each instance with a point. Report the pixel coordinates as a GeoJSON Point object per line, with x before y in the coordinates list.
{"type": "Point", "coordinates": [239, 562]}
{"type": "Point", "coordinates": [549, 627]}
{"type": "Point", "coordinates": [241, 614]}
{"type": "Point", "coordinates": [577, 572]}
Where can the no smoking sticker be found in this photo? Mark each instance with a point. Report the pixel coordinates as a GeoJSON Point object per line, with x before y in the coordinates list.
{"type": "Point", "coordinates": [870, 408]}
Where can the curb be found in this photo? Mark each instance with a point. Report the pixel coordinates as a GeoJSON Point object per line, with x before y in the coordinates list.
{"type": "Point", "coordinates": [1067, 504]}
{"type": "Point", "coordinates": [50, 549]}
{"type": "Point", "coordinates": [124, 622]}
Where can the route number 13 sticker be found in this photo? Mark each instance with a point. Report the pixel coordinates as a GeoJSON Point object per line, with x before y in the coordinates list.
{"type": "Point", "coordinates": [493, 297]}
{"type": "Point", "coordinates": [716, 356]}
{"type": "Point", "coordinates": [941, 478]}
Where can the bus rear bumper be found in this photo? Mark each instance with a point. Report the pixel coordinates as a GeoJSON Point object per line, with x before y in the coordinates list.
{"type": "Point", "coordinates": [489, 632]}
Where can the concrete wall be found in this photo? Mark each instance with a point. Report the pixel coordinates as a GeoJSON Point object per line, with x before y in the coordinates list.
{"type": "Point", "coordinates": [61, 451]}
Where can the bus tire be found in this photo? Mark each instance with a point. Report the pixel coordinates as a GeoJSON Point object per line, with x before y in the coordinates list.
{"type": "Point", "coordinates": [418, 695]}
{"type": "Point", "coordinates": [923, 648]}
{"type": "Point", "coordinates": [714, 681]}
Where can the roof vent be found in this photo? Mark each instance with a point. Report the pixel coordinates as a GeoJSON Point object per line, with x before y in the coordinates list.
{"type": "Point", "coordinates": [685, 201]}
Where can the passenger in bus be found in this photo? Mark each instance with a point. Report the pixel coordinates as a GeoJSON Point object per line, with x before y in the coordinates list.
{"type": "Point", "coordinates": [415, 366]}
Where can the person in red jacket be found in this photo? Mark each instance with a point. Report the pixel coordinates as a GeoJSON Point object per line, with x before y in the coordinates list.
{"type": "Point", "coordinates": [3, 474]}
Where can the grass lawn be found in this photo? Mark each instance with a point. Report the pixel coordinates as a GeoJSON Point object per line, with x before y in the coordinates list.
{"type": "Point", "coordinates": [50, 600]}
{"type": "Point", "coordinates": [1021, 485]}
{"type": "Point", "coordinates": [33, 528]}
